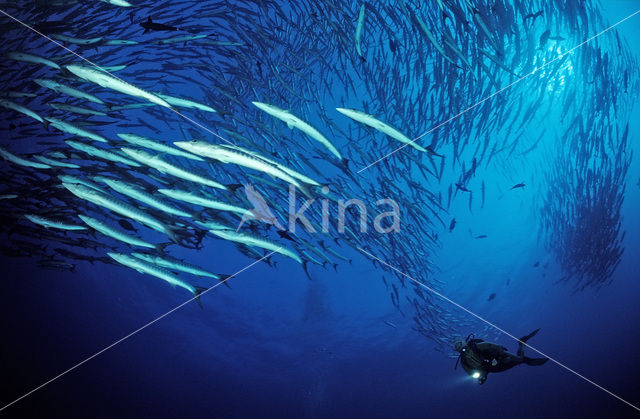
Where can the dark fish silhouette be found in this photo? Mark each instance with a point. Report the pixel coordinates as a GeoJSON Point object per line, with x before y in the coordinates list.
{"type": "Point", "coordinates": [126, 225]}
{"type": "Point", "coordinates": [392, 45]}
{"type": "Point", "coordinates": [150, 25]}
{"type": "Point", "coordinates": [462, 187]}
{"type": "Point", "coordinates": [492, 296]}
{"type": "Point", "coordinates": [431, 151]}
{"type": "Point", "coordinates": [544, 38]}
{"type": "Point", "coordinates": [518, 186]}
{"type": "Point", "coordinates": [533, 16]}
{"type": "Point", "coordinates": [452, 225]}
{"type": "Point", "coordinates": [285, 235]}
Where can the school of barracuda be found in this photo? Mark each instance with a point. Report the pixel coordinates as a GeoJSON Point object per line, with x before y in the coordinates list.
{"type": "Point", "coordinates": [108, 160]}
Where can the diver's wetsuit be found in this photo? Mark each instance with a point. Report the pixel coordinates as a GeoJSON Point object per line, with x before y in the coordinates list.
{"type": "Point", "coordinates": [478, 358]}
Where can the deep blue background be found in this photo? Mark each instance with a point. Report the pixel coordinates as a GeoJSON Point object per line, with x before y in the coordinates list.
{"type": "Point", "coordinates": [280, 345]}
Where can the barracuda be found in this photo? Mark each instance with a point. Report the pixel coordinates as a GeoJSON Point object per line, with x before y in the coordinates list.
{"type": "Point", "coordinates": [147, 268]}
{"type": "Point", "coordinates": [32, 59]}
{"type": "Point", "coordinates": [67, 90]}
{"type": "Point", "coordinates": [154, 145]}
{"type": "Point", "coordinates": [76, 109]}
{"type": "Point", "coordinates": [121, 3]}
{"type": "Point", "coordinates": [73, 180]}
{"type": "Point", "coordinates": [113, 68]}
{"type": "Point", "coordinates": [100, 153]}
{"type": "Point", "coordinates": [359, 31]}
{"type": "Point", "coordinates": [185, 103]}
{"type": "Point", "coordinates": [120, 207]}
{"type": "Point", "coordinates": [175, 265]}
{"type": "Point", "coordinates": [181, 39]}
{"type": "Point", "coordinates": [162, 166]}
{"type": "Point", "coordinates": [119, 42]}
{"type": "Point", "coordinates": [140, 195]}
{"type": "Point", "coordinates": [20, 161]}
{"type": "Point", "coordinates": [16, 94]}
{"type": "Point", "coordinates": [227, 155]}
{"type": "Point", "coordinates": [47, 223]}
{"type": "Point", "coordinates": [55, 163]}
{"type": "Point", "coordinates": [116, 233]}
{"type": "Point", "coordinates": [22, 109]}
{"type": "Point", "coordinates": [77, 41]}
{"type": "Point", "coordinates": [249, 240]}
{"type": "Point", "coordinates": [378, 125]}
{"type": "Point", "coordinates": [293, 121]}
{"type": "Point", "coordinates": [191, 198]}
{"type": "Point", "coordinates": [105, 80]}
{"type": "Point", "coordinates": [282, 167]}
{"type": "Point", "coordinates": [75, 130]}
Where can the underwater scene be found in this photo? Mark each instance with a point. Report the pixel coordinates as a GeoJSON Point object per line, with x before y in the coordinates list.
{"type": "Point", "coordinates": [320, 209]}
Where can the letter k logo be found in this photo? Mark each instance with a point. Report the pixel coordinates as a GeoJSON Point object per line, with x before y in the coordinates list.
{"type": "Point", "coordinates": [260, 210]}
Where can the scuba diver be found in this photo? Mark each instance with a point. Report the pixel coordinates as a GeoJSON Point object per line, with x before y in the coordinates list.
{"type": "Point", "coordinates": [478, 358]}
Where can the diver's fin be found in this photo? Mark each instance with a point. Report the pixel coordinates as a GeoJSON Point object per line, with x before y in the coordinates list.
{"type": "Point", "coordinates": [535, 361]}
{"type": "Point", "coordinates": [199, 291]}
{"type": "Point", "coordinates": [529, 336]}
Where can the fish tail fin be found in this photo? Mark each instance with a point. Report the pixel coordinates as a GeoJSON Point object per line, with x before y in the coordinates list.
{"type": "Point", "coordinates": [234, 186]}
{"type": "Point", "coordinates": [305, 190]}
{"type": "Point", "coordinates": [223, 278]}
{"type": "Point", "coordinates": [198, 291]}
{"type": "Point", "coordinates": [306, 270]}
{"type": "Point", "coordinates": [197, 216]}
{"type": "Point", "coordinates": [160, 246]}
{"type": "Point", "coordinates": [171, 232]}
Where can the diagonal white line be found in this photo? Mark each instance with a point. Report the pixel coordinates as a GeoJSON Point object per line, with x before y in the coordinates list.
{"type": "Point", "coordinates": [111, 74]}
{"type": "Point", "coordinates": [496, 327]}
{"type": "Point", "coordinates": [456, 116]}
{"type": "Point", "coordinates": [134, 332]}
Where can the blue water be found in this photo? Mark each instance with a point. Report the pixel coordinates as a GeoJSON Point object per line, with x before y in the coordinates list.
{"type": "Point", "coordinates": [280, 345]}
